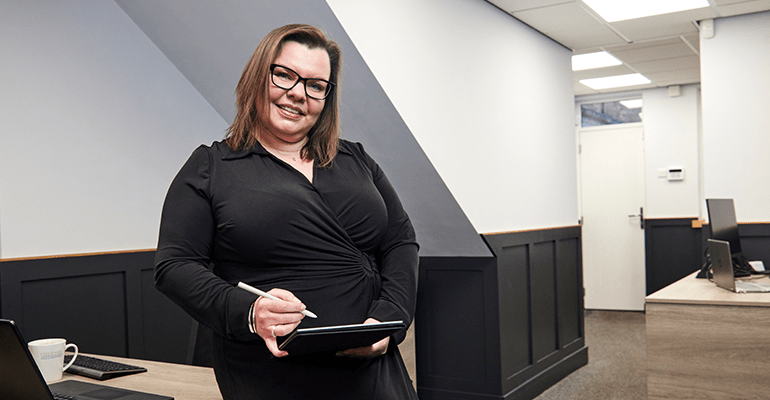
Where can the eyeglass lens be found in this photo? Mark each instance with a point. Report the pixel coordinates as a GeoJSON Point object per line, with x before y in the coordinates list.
{"type": "Point", "coordinates": [286, 79]}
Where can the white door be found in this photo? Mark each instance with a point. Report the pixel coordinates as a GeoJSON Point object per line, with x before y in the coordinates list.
{"type": "Point", "coordinates": [612, 198]}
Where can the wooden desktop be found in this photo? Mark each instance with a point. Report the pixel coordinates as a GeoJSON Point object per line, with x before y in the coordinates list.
{"type": "Point", "coordinates": [183, 382]}
{"type": "Point", "coordinates": [705, 342]}
{"type": "Point", "coordinates": [186, 382]}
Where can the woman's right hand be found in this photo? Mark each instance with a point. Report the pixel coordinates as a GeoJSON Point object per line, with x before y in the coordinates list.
{"type": "Point", "coordinates": [275, 318]}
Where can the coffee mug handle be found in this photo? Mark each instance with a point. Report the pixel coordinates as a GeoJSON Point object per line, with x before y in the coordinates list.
{"type": "Point", "coordinates": [74, 356]}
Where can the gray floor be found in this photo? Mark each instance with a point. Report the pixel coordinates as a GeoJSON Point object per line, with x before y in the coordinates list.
{"type": "Point", "coordinates": [616, 360]}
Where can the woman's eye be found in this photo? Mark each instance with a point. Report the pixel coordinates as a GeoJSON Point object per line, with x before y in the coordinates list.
{"type": "Point", "coordinates": [317, 87]}
{"type": "Point", "coordinates": [283, 75]}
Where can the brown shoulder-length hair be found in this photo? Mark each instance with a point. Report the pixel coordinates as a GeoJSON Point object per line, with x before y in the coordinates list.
{"type": "Point", "coordinates": [252, 94]}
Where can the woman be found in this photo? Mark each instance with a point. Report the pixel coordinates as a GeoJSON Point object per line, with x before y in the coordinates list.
{"type": "Point", "coordinates": [284, 204]}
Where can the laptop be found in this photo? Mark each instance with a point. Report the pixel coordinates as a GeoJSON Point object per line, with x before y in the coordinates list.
{"type": "Point", "coordinates": [722, 270]}
{"type": "Point", "coordinates": [21, 379]}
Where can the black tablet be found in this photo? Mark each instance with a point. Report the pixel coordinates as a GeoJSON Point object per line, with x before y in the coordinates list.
{"type": "Point", "coordinates": [337, 338]}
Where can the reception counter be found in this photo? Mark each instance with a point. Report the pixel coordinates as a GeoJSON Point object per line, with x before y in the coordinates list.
{"type": "Point", "coordinates": [704, 342]}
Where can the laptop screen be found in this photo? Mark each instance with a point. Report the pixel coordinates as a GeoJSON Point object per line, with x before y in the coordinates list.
{"type": "Point", "coordinates": [722, 264]}
{"type": "Point", "coordinates": [19, 377]}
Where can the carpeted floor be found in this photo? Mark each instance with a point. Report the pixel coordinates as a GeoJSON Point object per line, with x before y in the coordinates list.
{"type": "Point", "coordinates": [616, 360]}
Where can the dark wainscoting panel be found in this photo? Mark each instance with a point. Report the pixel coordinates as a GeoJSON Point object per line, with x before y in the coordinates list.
{"type": "Point", "coordinates": [755, 242]}
{"type": "Point", "coordinates": [674, 249]}
{"type": "Point", "coordinates": [104, 303]}
{"type": "Point", "coordinates": [506, 327]}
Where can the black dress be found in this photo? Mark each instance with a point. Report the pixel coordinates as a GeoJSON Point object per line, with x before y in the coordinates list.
{"type": "Point", "coordinates": [342, 244]}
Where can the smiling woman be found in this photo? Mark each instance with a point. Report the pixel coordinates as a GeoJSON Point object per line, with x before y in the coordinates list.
{"type": "Point", "coordinates": [293, 112]}
{"type": "Point", "coordinates": [284, 205]}
{"type": "Point", "coordinates": [256, 89]}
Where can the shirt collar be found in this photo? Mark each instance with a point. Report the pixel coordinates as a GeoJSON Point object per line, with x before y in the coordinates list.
{"type": "Point", "coordinates": [230, 154]}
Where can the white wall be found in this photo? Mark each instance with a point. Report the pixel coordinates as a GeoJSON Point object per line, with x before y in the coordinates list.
{"type": "Point", "coordinates": [94, 124]}
{"type": "Point", "coordinates": [735, 79]}
{"type": "Point", "coordinates": [489, 100]}
{"type": "Point", "coordinates": [671, 138]}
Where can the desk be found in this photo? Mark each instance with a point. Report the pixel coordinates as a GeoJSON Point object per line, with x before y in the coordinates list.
{"type": "Point", "coordinates": [183, 382]}
{"type": "Point", "coordinates": [704, 342]}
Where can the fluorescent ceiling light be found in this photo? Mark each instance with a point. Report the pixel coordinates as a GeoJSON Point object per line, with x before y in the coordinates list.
{"type": "Point", "coordinates": [615, 81]}
{"type": "Point", "coordinates": [617, 10]}
{"type": "Point", "coordinates": [631, 104]}
{"type": "Point", "coordinates": [593, 60]}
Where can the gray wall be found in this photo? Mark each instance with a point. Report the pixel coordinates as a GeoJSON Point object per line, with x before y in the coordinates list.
{"type": "Point", "coordinates": [100, 110]}
{"type": "Point", "coordinates": [210, 43]}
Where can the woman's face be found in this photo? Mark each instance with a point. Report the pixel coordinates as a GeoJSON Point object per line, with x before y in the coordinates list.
{"type": "Point", "coordinates": [292, 114]}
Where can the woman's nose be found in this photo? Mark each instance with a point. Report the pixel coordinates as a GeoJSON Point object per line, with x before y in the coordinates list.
{"type": "Point", "coordinates": [298, 91]}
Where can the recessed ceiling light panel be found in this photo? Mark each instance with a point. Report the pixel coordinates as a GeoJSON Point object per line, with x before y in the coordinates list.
{"type": "Point", "coordinates": [593, 60]}
{"type": "Point", "coordinates": [615, 81]}
{"type": "Point", "coordinates": [616, 10]}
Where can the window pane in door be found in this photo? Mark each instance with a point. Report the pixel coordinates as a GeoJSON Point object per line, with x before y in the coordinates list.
{"type": "Point", "coordinates": [611, 112]}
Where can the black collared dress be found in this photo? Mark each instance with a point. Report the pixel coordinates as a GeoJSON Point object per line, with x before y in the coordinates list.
{"type": "Point", "coordinates": [343, 244]}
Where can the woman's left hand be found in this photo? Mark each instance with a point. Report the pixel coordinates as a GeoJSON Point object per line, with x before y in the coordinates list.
{"type": "Point", "coordinates": [367, 352]}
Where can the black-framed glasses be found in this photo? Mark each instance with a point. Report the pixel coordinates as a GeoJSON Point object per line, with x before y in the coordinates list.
{"type": "Point", "coordinates": [285, 78]}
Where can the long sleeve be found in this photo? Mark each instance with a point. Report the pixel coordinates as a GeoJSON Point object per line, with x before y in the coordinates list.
{"type": "Point", "coordinates": [397, 259]}
{"type": "Point", "coordinates": [184, 253]}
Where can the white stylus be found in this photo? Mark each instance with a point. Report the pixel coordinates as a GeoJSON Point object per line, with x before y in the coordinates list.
{"type": "Point", "coordinates": [258, 292]}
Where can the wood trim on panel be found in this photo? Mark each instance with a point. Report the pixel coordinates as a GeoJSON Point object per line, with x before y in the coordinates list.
{"type": "Point", "coordinates": [670, 219]}
{"type": "Point", "coordinates": [76, 255]}
{"type": "Point", "coordinates": [530, 230]}
{"type": "Point", "coordinates": [746, 223]}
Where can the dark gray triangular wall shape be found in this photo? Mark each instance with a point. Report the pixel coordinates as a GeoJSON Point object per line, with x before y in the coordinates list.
{"type": "Point", "coordinates": [210, 43]}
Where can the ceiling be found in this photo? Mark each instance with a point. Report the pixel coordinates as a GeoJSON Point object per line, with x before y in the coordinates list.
{"type": "Point", "coordinates": [663, 48]}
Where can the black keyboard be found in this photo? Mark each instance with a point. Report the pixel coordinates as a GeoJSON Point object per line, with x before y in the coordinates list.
{"type": "Point", "coordinates": [59, 396]}
{"type": "Point", "coordinates": [100, 369]}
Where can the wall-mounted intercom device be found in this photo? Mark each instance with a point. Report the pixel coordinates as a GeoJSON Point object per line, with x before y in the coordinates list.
{"type": "Point", "coordinates": [675, 174]}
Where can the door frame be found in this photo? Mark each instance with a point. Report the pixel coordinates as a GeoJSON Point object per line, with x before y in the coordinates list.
{"type": "Point", "coordinates": [579, 129]}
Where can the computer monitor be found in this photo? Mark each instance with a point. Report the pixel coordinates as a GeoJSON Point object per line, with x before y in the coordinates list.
{"type": "Point", "coordinates": [723, 223]}
{"type": "Point", "coordinates": [724, 227]}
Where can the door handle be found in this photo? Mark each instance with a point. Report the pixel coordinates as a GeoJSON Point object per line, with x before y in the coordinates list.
{"type": "Point", "coordinates": [641, 217]}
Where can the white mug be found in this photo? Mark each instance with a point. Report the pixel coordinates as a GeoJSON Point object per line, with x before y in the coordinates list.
{"type": "Point", "coordinates": [49, 356]}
